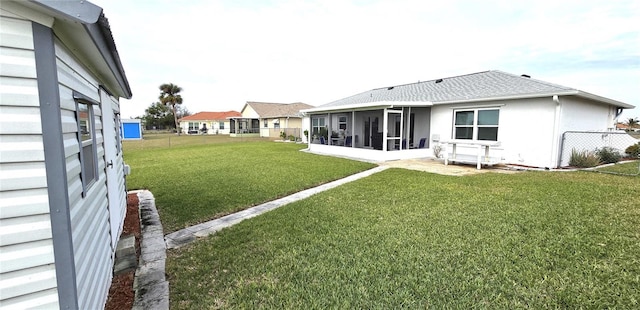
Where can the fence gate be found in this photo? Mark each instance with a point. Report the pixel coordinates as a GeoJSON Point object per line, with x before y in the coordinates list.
{"type": "Point", "coordinates": [592, 140]}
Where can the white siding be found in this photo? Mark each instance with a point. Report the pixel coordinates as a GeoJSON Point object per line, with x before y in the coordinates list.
{"type": "Point", "coordinates": [89, 214]}
{"type": "Point", "coordinates": [27, 270]}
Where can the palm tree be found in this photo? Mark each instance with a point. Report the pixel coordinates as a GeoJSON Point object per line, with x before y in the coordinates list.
{"type": "Point", "coordinates": [632, 123]}
{"type": "Point", "coordinates": [169, 95]}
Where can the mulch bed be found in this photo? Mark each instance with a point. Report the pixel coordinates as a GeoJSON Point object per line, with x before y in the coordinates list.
{"type": "Point", "coordinates": [121, 292]}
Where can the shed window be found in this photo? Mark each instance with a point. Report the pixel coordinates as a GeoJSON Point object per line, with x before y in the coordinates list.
{"type": "Point", "coordinates": [476, 124]}
{"type": "Point", "coordinates": [86, 140]}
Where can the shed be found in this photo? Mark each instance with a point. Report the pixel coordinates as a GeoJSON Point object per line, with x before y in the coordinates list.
{"type": "Point", "coordinates": [131, 129]}
{"type": "Point", "coordinates": [62, 174]}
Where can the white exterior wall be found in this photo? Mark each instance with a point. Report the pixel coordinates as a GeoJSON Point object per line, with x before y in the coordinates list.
{"type": "Point", "coordinates": [585, 115]}
{"type": "Point", "coordinates": [90, 214]}
{"type": "Point", "coordinates": [27, 270]}
{"type": "Point", "coordinates": [213, 127]}
{"type": "Point", "coordinates": [530, 130]}
{"type": "Point", "coordinates": [525, 130]}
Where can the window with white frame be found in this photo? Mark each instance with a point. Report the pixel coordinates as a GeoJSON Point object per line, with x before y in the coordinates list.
{"type": "Point", "coordinates": [342, 122]}
{"type": "Point", "coordinates": [86, 139]}
{"type": "Point", "coordinates": [476, 124]}
{"type": "Point", "coordinates": [276, 123]}
{"type": "Point", "coordinates": [221, 125]}
{"type": "Point", "coordinates": [316, 124]}
{"type": "Point", "coordinates": [194, 126]}
{"type": "Point", "coordinates": [265, 123]}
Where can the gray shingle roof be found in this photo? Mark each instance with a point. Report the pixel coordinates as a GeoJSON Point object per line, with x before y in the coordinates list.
{"type": "Point", "coordinates": [272, 110]}
{"type": "Point", "coordinates": [488, 84]}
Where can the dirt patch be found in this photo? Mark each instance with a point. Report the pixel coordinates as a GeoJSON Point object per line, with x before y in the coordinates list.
{"type": "Point", "coordinates": [121, 292]}
{"type": "Point", "coordinates": [437, 166]}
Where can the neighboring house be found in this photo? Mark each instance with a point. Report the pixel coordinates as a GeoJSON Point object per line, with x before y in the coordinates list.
{"type": "Point", "coordinates": [625, 127]}
{"type": "Point", "coordinates": [520, 119]}
{"type": "Point", "coordinates": [62, 175]}
{"type": "Point", "coordinates": [265, 119]}
{"type": "Point", "coordinates": [208, 122]}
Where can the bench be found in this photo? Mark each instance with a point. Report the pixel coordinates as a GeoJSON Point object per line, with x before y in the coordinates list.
{"type": "Point", "coordinates": [479, 159]}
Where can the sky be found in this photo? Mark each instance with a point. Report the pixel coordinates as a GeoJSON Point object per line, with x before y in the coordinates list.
{"type": "Point", "coordinates": [225, 53]}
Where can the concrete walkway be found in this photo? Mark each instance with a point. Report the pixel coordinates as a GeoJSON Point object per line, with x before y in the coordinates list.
{"type": "Point", "coordinates": [189, 234]}
{"type": "Point", "coordinates": [150, 285]}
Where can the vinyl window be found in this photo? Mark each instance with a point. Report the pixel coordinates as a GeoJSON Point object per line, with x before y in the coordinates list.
{"type": "Point", "coordinates": [476, 124]}
{"type": "Point", "coordinates": [86, 140]}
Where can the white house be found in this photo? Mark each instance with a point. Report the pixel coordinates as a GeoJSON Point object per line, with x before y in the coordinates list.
{"type": "Point", "coordinates": [208, 122]}
{"type": "Point", "coordinates": [267, 119]}
{"type": "Point", "coordinates": [62, 175]}
{"type": "Point", "coordinates": [516, 119]}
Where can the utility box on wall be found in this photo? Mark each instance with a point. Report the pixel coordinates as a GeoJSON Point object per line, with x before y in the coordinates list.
{"type": "Point", "coordinates": [131, 129]}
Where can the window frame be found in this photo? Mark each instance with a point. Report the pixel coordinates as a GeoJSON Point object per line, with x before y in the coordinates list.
{"type": "Point", "coordinates": [342, 122]}
{"type": "Point", "coordinates": [221, 125]}
{"type": "Point", "coordinates": [315, 128]}
{"type": "Point", "coordinates": [475, 126]}
{"type": "Point", "coordinates": [190, 128]}
{"type": "Point", "coordinates": [86, 179]}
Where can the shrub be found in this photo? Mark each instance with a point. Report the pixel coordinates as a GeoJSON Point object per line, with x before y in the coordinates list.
{"type": "Point", "coordinates": [583, 159]}
{"type": "Point", "coordinates": [608, 155]}
{"type": "Point", "coordinates": [633, 150]}
{"type": "Point", "coordinates": [292, 138]}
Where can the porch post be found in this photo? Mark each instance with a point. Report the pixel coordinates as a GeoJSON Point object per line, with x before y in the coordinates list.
{"type": "Point", "coordinates": [330, 129]}
{"type": "Point", "coordinates": [385, 130]}
{"type": "Point", "coordinates": [353, 128]}
{"type": "Point", "coordinates": [408, 129]}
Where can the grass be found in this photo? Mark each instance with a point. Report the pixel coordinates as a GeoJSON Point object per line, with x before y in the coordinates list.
{"type": "Point", "coordinates": [170, 140]}
{"type": "Point", "coordinates": [407, 239]}
{"type": "Point", "coordinates": [627, 168]}
{"type": "Point", "coordinates": [199, 182]}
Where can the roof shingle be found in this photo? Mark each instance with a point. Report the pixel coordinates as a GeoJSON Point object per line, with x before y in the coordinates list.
{"type": "Point", "coordinates": [272, 110]}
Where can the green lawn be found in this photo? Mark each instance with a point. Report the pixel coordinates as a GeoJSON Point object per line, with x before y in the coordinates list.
{"type": "Point", "coordinates": [196, 182]}
{"type": "Point", "coordinates": [628, 168]}
{"type": "Point", "coordinates": [407, 239]}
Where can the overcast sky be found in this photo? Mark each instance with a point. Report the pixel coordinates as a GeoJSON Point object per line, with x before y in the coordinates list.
{"type": "Point", "coordinates": [224, 53]}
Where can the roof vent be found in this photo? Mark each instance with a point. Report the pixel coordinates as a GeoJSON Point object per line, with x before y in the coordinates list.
{"type": "Point", "coordinates": [390, 88]}
{"type": "Point", "coordinates": [525, 75]}
{"type": "Point", "coordinates": [438, 81]}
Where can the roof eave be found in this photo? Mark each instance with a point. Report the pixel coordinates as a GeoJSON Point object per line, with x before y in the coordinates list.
{"type": "Point", "coordinates": [97, 31]}
{"type": "Point", "coordinates": [367, 106]}
{"type": "Point", "coordinates": [605, 100]}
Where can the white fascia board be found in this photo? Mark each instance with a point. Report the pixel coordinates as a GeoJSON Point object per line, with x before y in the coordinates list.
{"type": "Point", "coordinates": [605, 100]}
{"type": "Point", "coordinates": [572, 92]}
{"type": "Point", "coordinates": [367, 106]}
{"type": "Point", "coordinates": [528, 96]}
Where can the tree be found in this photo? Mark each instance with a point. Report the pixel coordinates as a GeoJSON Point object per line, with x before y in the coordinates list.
{"type": "Point", "coordinates": [632, 123]}
{"type": "Point", "coordinates": [158, 116]}
{"type": "Point", "coordinates": [170, 95]}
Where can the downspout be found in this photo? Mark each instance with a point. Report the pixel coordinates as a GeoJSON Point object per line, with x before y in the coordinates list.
{"type": "Point", "coordinates": [555, 147]}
